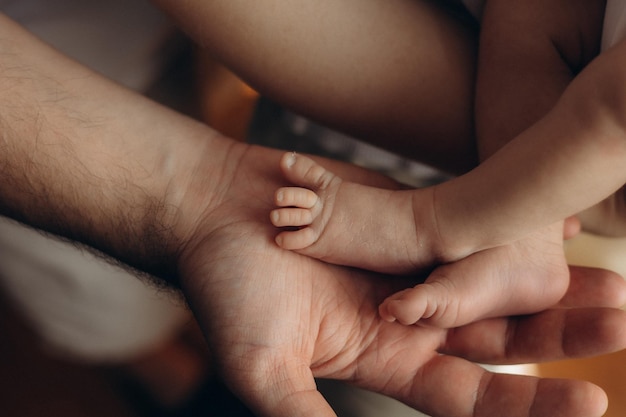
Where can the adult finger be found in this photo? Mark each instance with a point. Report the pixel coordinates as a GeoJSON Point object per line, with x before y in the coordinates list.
{"type": "Point", "coordinates": [550, 335]}
{"type": "Point", "coordinates": [279, 390]}
{"type": "Point", "coordinates": [452, 387]}
{"type": "Point", "coordinates": [594, 287]}
{"type": "Point", "coordinates": [571, 227]}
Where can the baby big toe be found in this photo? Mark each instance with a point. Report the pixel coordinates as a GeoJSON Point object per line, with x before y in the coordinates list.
{"type": "Point", "coordinates": [304, 171]}
{"type": "Point", "coordinates": [404, 313]}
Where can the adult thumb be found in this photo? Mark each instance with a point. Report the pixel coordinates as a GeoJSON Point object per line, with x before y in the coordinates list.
{"type": "Point", "coordinates": [289, 391]}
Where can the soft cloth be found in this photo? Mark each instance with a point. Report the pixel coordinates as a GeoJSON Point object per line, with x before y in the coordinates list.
{"type": "Point", "coordinates": [614, 23]}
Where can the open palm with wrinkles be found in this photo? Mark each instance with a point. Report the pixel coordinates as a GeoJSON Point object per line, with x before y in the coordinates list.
{"type": "Point", "coordinates": [276, 319]}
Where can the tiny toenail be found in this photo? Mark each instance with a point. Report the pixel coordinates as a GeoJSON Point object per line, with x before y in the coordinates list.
{"type": "Point", "coordinates": [280, 196]}
{"type": "Point", "coordinates": [291, 159]}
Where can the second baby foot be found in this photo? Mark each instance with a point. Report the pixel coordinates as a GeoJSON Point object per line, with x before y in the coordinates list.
{"type": "Point", "coordinates": [525, 277]}
{"type": "Point", "coordinates": [347, 223]}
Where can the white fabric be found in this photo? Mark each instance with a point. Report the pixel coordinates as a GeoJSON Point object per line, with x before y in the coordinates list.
{"type": "Point", "coordinates": [119, 38]}
{"type": "Point", "coordinates": [614, 23]}
{"type": "Point", "coordinates": [82, 306]}
{"type": "Point", "coordinates": [597, 251]}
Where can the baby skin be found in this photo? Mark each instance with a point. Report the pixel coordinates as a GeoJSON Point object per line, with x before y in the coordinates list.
{"type": "Point", "coordinates": [399, 232]}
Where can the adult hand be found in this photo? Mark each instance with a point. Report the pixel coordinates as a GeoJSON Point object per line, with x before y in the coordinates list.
{"type": "Point", "coordinates": [275, 319]}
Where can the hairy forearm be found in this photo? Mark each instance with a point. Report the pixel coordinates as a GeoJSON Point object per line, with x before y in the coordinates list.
{"type": "Point", "coordinates": [85, 159]}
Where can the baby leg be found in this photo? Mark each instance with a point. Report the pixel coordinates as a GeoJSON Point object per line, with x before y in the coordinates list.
{"type": "Point", "coordinates": [350, 224]}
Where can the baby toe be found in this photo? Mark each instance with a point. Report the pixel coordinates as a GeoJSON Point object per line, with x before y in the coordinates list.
{"type": "Point", "coordinates": [291, 217]}
{"type": "Point", "coordinates": [295, 197]}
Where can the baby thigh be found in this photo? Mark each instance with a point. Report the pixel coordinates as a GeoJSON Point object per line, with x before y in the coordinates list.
{"type": "Point", "coordinates": [397, 73]}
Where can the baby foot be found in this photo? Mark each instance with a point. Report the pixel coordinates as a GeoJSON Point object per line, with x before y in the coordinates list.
{"type": "Point", "coordinates": [347, 223]}
{"type": "Point", "coordinates": [525, 277]}
{"type": "Point", "coordinates": [302, 207]}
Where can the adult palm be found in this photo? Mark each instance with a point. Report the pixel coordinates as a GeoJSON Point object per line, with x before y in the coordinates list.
{"type": "Point", "coordinates": [275, 320]}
